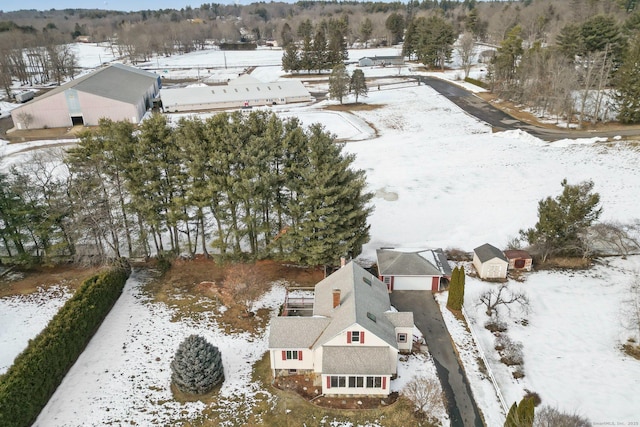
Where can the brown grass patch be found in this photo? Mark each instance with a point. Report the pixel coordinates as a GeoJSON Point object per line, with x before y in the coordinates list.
{"type": "Point", "coordinates": [571, 263]}
{"type": "Point", "coordinates": [632, 350]}
{"type": "Point", "coordinates": [44, 277]}
{"type": "Point", "coordinates": [360, 106]}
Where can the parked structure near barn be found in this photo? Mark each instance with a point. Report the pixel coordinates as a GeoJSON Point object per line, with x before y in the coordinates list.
{"type": "Point", "coordinates": [245, 91]}
{"type": "Point", "coordinates": [371, 61]}
{"type": "Point", "coordinates": [519, 259]}
{"type": "Point", "coordinates": [490, 262]}
{"type": "Point", "coordinates": [413, 270]}
{"type": "Point", "coordinates": [350, 341]}
{"type": "Point", "coordinates": [116, 92]}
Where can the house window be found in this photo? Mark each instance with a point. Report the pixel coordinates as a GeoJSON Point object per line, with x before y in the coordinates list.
{"type": "Point", "coordinates": [371, 316]}
{"type": "Point", "coordinates": [402, 337]}
{"type": "Point", "coordinates": [338, 381]}
{"type": "Point", "coordinates": [292, 354]}
{"type": "Point", "coordinates": [356, 382]}
{"type": "Point", "coordinates": [355, 336]}
{"type": "Point", "coordinates": [374, 382]}
{"type": "Point", "coordinates": [387, 280]}
{"type": "Point", "coordinates": [293, 371]}
{"type": "Point", "coordinates": [366, 280]}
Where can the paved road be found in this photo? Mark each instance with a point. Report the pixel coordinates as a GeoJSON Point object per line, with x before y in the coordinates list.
{"type": "Point", "coordinates": [461, 407]}
{"type": "Point", "coordinates": [498, 119]}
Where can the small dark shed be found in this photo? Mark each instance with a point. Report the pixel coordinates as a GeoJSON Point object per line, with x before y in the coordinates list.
{"type": "Point", "coordinates": [519, 259]}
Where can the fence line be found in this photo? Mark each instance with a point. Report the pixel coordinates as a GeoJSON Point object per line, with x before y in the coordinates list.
{"type": "Point", "coordinates": [486, 363]}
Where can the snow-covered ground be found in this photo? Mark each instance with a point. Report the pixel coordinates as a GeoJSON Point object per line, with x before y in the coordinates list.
{"type": "Point", "coordinates": [23, 317]}
{"type": "Point", "coordinates": [441, 179]}
{"type": "Point", "coordinates": [571, 342]}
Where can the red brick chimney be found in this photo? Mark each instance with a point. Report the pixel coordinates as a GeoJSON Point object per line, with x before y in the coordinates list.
{"type": "Point", "coordinates": [336, 298]}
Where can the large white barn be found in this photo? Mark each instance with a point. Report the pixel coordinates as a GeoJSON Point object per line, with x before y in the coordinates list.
{"type": "Point", "coordinates": [116, 92]}
{"type": "Point", "coordinates": [245, 91]}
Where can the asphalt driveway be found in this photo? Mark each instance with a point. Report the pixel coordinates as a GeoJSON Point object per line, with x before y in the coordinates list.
{"type": "Point", "coordinates": [461, 407]}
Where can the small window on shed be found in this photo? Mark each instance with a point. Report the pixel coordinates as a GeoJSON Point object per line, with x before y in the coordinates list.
{"type": "Point", "coordinates": [371, 316]}
{"type": "Point", "coordinates": [366, 280]}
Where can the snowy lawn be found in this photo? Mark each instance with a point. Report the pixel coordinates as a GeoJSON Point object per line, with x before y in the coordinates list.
{"type": "Point", "coordinates": [22, 317]}
{"type": "Point", "coordinates": [571, 342]}
{"type": "Point", "coordinates": [123, 376]}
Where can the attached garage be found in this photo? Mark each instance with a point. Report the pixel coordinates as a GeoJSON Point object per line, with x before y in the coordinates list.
{"type": "Point", "coordinates": [413, 270]}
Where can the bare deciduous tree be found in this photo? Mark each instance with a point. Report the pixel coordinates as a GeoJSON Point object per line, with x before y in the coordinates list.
{"type": "Point", "coordinates": [547, 416]}
{"type": "Point", "coordinates": [425, 393]}
{"type": "Point", "coordinates": [631, 306]}
{"type": "Point", "coordinates": [503, 296]}
{"type": "Point", "coordinates": [465, 51]}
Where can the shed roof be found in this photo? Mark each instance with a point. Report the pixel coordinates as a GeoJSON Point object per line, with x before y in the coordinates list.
{"type": "Point", "coordinates": [516, 254]}
{"type": "Point", "coordinates": [355, 360]}
{"type": "Point", "coordinates": [116, 81]}
{"type": "Point", "coordinates": [487, 252]}
{"type": "Point", "coordinates": [399, 262]}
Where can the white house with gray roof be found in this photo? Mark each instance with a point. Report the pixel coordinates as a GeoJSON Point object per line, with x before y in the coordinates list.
{"type": "Point", "coordinates": [403, 269]}
{"type": "Point", "coordinates": [115, 92]}
{"type": "Point", "coordinates": [350, 343]}
{"type": "Point", "coordinates": [490, 262]}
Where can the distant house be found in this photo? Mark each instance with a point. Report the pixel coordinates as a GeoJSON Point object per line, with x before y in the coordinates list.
{"type": "Point", "coordinates": [371, 61]}
{"type": "Point", "coordinates": [116, 92]}
{"type": "Point", "coordinates": [519, 259]}
{"type": "Point", "coordinates": [411, 270]}
{"type": "Point", "coordinates": [245, 91]}
{"type": "Point", "coordinates": [490, 262]}
{"type": "Point", "coordinates": [350, 344]}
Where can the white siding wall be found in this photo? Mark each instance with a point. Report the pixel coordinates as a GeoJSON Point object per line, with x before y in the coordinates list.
{"type": "Point", "coordinates": [412, 283]}
{"type": "Point", "coordinates": [407, 345]}
{"type": "Point", "coordinates": [370, 339]}
{"type": "Point", "coordinates": [377, 391]}
{"type": "Point", "coordinates": [494, 268]}
{"type": "Point", "coordinates": [277, 362]}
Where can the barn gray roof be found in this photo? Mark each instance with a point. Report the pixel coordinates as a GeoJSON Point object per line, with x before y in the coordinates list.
{"type": "Point", "coordinates": [487, 252]}
{"type": "Point", "coordinates": [296, 332]}
{"type": "Point", "coordinates": [353, 360]}
{"type": "Point", "coordinates": [414, 263]}
{"type": "Point", "coordinates": [117, 81]}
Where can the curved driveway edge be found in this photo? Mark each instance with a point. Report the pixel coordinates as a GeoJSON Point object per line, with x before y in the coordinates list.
{"type": "Point", "coordinates": [427, 317]}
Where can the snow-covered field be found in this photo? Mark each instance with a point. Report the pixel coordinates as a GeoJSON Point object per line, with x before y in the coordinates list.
{"type": "Point", "coordinates": [23, 317]}
{"type": "Point", "coordinates": [441, 179]}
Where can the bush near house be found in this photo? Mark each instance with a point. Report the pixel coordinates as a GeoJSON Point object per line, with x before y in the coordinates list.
{"type": "Point", "coordinates": [36, 373]}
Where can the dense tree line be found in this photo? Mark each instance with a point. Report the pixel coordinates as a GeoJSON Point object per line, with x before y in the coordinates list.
{"type": "Point", "coordinates": [231, 185]}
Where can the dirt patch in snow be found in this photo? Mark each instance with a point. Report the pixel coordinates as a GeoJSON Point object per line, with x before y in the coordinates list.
{"type": "Point", "coordinates": [24, 282]}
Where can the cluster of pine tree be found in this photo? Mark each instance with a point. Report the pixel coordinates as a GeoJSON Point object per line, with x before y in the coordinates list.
{"type": "Point", "coordinates": [36, 373]}
{"type": "Point", "coordinates": [455, 300]}
{"type": "Point", "coordinates": [240, 184]}
{"type": "Point", "coordinates": [197, 366]}
{"type": "Point", "coordinates": [321, 48]}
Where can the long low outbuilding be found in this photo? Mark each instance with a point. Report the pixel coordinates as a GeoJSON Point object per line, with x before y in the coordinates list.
{"type": "Point", "coordinates": [245, 91]}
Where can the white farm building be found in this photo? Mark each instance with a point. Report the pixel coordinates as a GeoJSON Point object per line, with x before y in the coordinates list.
{"type": "Point", "coordinates": [244, 91]}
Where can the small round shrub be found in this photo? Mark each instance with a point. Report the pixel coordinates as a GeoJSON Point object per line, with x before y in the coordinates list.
{"type": "Point", "coordinates": [197, 366]}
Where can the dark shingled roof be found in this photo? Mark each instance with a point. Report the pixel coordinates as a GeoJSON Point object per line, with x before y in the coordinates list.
{"type": "Point", "coordinates": [487, 252]}
{"type": "Point", "coordinates": [399, 263]}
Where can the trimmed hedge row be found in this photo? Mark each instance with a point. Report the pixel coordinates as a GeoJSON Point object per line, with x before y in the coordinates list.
{"type": "Point", "coordinates": [476, 82]}
{"type": "Point", "coordinates": [36, 373]}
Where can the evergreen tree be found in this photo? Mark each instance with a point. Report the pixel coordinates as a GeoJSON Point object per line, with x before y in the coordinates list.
{"type": "Point", "coordinates": [627, 85]}
{"type": "Point", "coordinates": [454, 290]}
{"type": "Point", "coordinates": [329, 207]}
{"type": "Point", "coordinates": [366, 28]}
{"type": "Point", "coordinates": [525, 412]}
{"type": "Point", "coordinates": [197, 366]}
{"type": "Point", "coordinates": [339, 82]}
{"type": "Point", "coordinates": [358, 84]}
{"type": "Point", "coordinates": [506, 60]}
{"type": "Point", "coordinates": [512, 416]}
{"type": "Point", "coordinates": [395, 25]}
{"type": "Point", "coordinates": [319, 54]}
{"type": "Point", "coordinates": [286, 35]}
{"type": "Point", "coordinates": [434, 38]}
{"type": "Point", "coordinates": [462, 280]}
{"type": "Point", "coordinates": [563, 220]}
{"type": "Point", "coordinates": [337, 44]}
{"type": "Point", "coordinates": [291, 59]}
